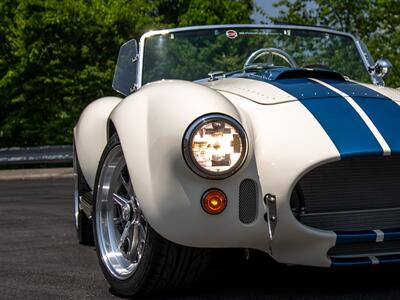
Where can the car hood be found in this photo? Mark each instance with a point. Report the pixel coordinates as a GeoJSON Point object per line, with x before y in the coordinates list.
{"type": "Point", "coordinates": [359, 119]}
{"type": "Point", "coordinates": [285, 85]}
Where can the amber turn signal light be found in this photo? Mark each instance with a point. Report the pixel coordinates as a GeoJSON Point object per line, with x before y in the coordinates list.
{"type": "Point", "coordinates": [214, 201]}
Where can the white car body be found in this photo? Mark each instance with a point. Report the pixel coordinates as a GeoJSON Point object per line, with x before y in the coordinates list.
{"type": "Point", "coordinates": [286, 141]}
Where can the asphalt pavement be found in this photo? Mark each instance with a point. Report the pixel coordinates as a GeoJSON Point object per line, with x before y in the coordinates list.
{"type": "Point", "coordinates": [41, 259]}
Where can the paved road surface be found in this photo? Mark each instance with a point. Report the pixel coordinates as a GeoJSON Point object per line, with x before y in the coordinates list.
{"type": "Point", "coordinates": [40, 259]}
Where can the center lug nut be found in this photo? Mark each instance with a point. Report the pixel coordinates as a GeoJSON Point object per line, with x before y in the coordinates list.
{"type": "Point", "coordinates": [126, 212]}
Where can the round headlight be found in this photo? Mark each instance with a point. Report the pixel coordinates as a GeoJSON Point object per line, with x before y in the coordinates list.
{"type": "Point", "coordinates": [215, 146]}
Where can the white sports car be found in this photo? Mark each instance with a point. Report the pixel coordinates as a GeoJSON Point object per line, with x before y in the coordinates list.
{"type": "Point", "coordinates": [263, 137]}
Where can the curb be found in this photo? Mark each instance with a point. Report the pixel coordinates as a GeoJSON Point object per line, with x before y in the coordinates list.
{"type": "Point", "coordinates": [29, 174]}
{"type": "Point", "coordinates": [61, 154]}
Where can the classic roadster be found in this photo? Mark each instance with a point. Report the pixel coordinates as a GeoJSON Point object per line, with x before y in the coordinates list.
{"type": "Point", "coordinates": [279, 138]}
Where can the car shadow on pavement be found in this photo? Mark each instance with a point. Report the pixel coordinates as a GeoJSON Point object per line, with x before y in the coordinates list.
{"type": "Point", "coordinates": [231, 276]}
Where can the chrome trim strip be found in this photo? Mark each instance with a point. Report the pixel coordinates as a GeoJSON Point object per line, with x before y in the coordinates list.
{"type": "Point", "coordinates": [229, 26]}
{"type": "Point", "coordinates": [86, 204]}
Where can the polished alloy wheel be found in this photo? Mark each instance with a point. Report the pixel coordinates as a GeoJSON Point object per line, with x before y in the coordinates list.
{"type": "Point", "coordinates": [120, 225]}
{"type": "Point", "coordinates": [134, 258]}
{"type": "Point", "coordinates": [76, 191]}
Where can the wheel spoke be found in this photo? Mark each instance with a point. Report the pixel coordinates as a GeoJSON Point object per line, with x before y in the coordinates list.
{"type": "Point", "coordinates": [136, 207]}
{"type": "Point", "coordinates": [134, 243]}
{"type": "Point", "coordinates": [121, 201]}
{"type": "Point", "coordinates": [127, 184]}
{"type": "Point", "coordinates": [124, 234]}
{"type": "Point", "coordinates": [142, 231]}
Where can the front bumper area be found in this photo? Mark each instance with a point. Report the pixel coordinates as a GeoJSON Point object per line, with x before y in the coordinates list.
{"type": "Point", "coordinates": [368, 247]}
{"type": "Point", "coordinates": [281, 165]}
{"type": "Point", "coordinates": [355, 199]}
{"type": "Point", "coordinates": [352, 203]}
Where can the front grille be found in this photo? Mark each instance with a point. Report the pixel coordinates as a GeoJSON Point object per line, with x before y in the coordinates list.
{"type": "Point", "coordinates": [365, 249]}
{"type": "Point", "coordinates": [351, 194]}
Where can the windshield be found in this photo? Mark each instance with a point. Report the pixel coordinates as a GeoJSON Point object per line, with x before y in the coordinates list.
{"type": "Point", "coordinates": [192, 54]}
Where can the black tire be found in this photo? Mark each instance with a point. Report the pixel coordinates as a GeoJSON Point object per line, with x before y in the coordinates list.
{"type": "Point", "coordinates": [164, 266]}
{"type": "Point", "coordinates": [83, 225]}
{"type": "Point", "coordinates": [85, 230]}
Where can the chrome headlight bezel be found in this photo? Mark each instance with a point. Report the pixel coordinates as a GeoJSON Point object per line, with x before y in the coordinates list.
{"type": "Point", "coordinates": [187, 146]}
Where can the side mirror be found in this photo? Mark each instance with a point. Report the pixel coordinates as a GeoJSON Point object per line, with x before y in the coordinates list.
{"type": "Point", "coordinates": [125, 74]}
{"type": "Point", "coordinates": [382, 68]}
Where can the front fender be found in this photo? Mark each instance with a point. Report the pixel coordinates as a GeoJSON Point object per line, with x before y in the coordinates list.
{"type": "Point", "coordinates": [151, 124]}
{"type": "Point", "coordinates": [90, 135]}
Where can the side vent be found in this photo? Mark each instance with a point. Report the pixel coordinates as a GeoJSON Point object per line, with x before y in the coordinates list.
{"type": "Point", "coordinates": [247, 201]}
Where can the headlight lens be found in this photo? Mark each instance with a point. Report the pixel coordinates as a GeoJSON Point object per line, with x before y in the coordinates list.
{"type": "Point", "coordinates": [215, 146]}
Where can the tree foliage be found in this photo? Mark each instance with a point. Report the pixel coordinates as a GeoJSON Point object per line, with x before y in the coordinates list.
{"type": "Point", "coordinates": [56, 57]}
{"type": "Point", "coordinates": [376, 22]}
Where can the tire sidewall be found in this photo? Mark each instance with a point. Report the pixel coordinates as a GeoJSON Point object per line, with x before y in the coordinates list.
{"type": "Point", "coordinates": [133, 283]}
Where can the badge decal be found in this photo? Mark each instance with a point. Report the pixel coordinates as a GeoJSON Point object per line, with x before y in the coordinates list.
{"type": "Point", "coordinates": [231, 34]}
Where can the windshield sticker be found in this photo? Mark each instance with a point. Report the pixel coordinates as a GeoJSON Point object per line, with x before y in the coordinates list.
{"type": "Point", "coordinates": [257, 32]}
{"type": "Point", "coordinates": [231, 34]}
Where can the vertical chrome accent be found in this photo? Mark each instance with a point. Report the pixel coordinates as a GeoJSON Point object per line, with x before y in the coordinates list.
{"type": "Point", "coordinates": [374, 260]}
{"type": "Point", "coordinates": [270, 201]}
{"type": "Point", "coordinates": [380, 235]}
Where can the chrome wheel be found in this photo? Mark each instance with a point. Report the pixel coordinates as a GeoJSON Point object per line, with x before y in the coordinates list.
{"type": "Point", "coordinates": [76, 191]}
{"type": "Point", "coordinates": [120, 225]}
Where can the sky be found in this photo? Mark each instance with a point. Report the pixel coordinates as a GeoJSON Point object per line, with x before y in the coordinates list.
{"type": "Point", "coordinates": [268, 8]}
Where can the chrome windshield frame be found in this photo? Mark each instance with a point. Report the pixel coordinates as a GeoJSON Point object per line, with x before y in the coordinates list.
{"type": "Point", "coordinates": [365, 56]}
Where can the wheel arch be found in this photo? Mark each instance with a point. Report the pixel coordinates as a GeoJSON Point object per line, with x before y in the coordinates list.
{"type": "Point", "coordinates": [111, 130]}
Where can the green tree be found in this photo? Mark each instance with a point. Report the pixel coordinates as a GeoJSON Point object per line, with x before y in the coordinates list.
{"type": "Point", "coordinates": [376, 22]}
{"type": "Point", "coordinates": [203, 12]}
{"type": "Point", "coordinates": [56, 57]}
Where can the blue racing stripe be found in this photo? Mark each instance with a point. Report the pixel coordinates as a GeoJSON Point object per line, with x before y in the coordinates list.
{"type": "Point", "coordinates": [347, 262]}
{"type": "Point", "coordinates": [391, 234]}
{"type": "Point", "coordinates": [389, 259]}
{"type": "Point", "coordinates": [364, 261]}
{"type": "Point", "coordinates": [348, 237]}
{"type": "Point", "coordinates": [341, 122]}
{"type": "Point", "coordinates": [304, 88]}
{"type": "Point", "coordinates": [383, 112]}
{"type": "Point", "coordinates": [353, 89]}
